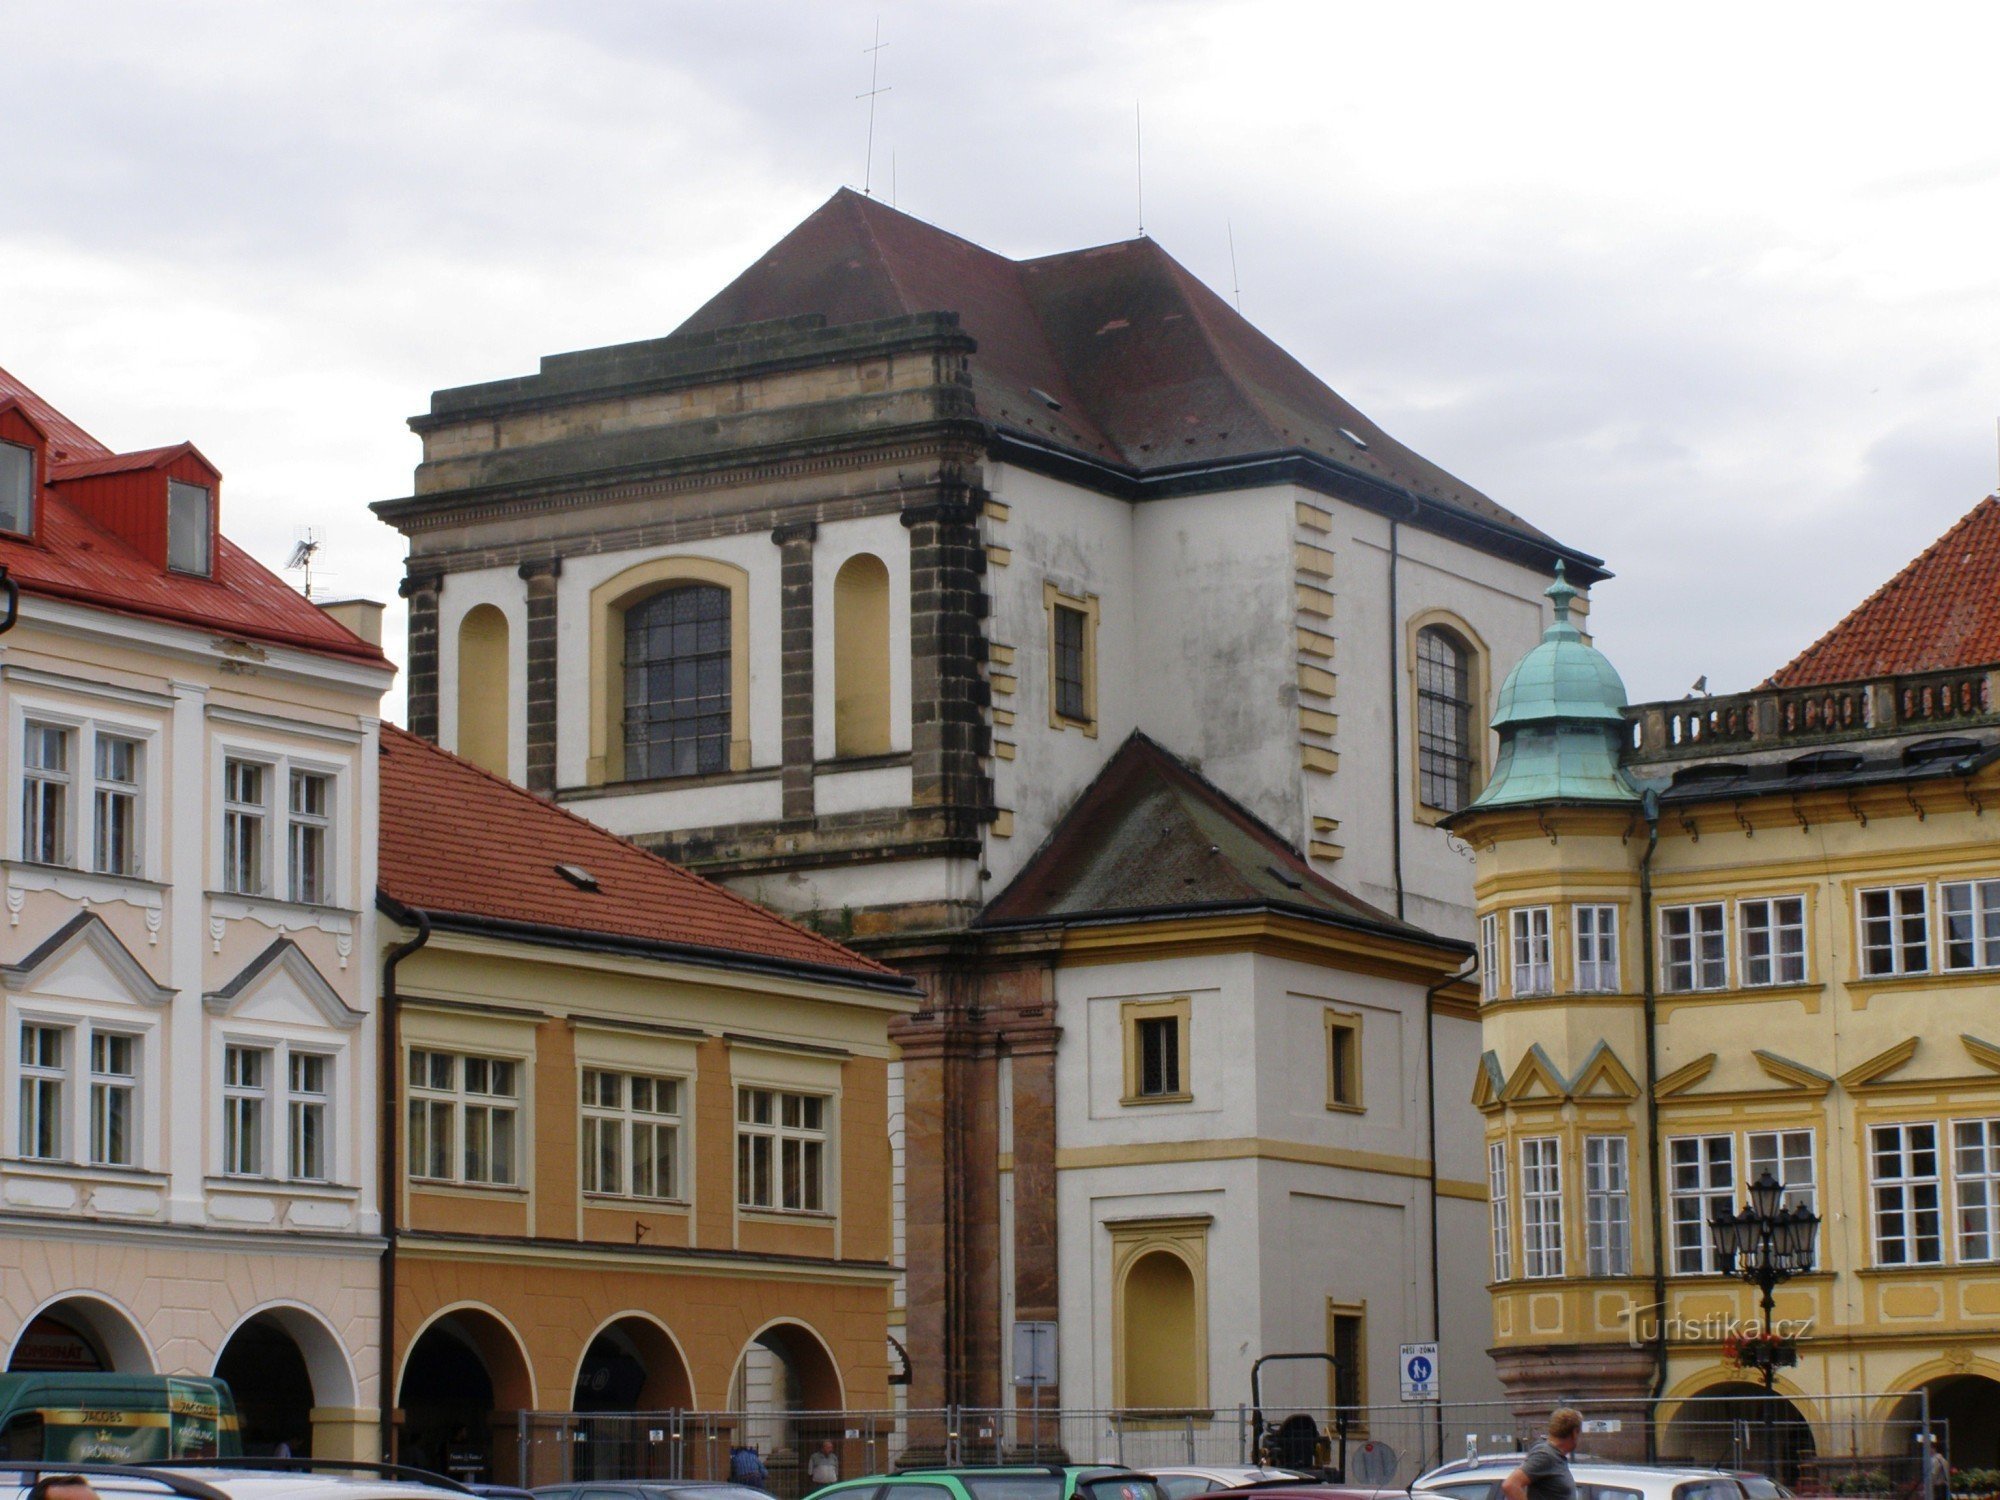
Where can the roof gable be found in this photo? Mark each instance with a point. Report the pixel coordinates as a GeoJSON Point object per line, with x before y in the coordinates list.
{"type": "Point", "coordinates": [84, 960]}
{"type": "Point", "coordinates": [282, 986]}
{"type": "Point", "coordinates": [1939, 612]}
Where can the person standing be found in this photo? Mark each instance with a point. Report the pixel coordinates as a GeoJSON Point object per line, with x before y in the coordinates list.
{"type": "Point", "coordinates": [824, 1466]}
{"type": "Point", "coordinates": [1544, 1473]}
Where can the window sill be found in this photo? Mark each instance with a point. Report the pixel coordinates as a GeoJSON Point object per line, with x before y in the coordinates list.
{"type": "Point", "coordinates": [1182, 1098]}
{"type": "Point", "coordinates": [71, 1171]}
{"type": "Point", "coordinates": [1955, 978]}
{"type": "Point", "coordinates": [300, 913]}
{"type": "Point", "coordinates": [1087, 727]}
{"type": "Point", "coordinates": [290, 1187]}
{"type": "Point", "coordinates": [500, 1192]}
{"type": "Point", "coordinates": [32, 875]}
{"type": "Point", "coordinates": [1933, 1268]}
{"type": "Point", "coordinates": [626, 1201]}
{"type": "Point", "coordinates": [814, 1216]}
{"type": "Point", "coordinates": [889, 761]}
{"type": "Point", "coordinates": [639, 786]}
{"type": "Point", "coordinates": [1746, 992]}
{"type": "Point", "coordinates": [1341, 1107]}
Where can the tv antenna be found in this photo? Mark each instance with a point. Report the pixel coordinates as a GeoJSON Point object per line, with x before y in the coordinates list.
{"type": "Point", "coordinates": [1139, 162]}
{"type": "Point", "coordinates": [301, 560]}
{"type": "Point", "coordinates": [874, 88]}
{"type": "Point", "coordinates": [1235, 281]}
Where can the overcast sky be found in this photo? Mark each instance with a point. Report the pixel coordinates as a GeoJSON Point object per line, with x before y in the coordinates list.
{"type": "Point", "coordinates": [1710, 291]}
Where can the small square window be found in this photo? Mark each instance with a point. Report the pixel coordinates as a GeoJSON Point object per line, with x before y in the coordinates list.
{"type": "Point", "coordinates": [1156, 1051]}
{"type": "Point", "coordinates": [189, 522]}
{"type": "Point", "coordinates": [17, 488]}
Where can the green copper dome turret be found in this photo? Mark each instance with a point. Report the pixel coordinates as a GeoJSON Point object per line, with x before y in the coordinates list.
{"type": "Point", "coordinates": [1560, 717]}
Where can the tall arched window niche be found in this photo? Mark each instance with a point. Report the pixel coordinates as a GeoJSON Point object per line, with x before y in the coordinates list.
{"type": "Point", "coordinates": [1159, 1275]}
{"type": "Point", "coordinates": [483, 700]}
{"type": "Point", "coordinates": [1447, 666]}
{"type": "Point", "coordinates": [670, 671]}
{"type": "Point", "coordinates": [861, 657]}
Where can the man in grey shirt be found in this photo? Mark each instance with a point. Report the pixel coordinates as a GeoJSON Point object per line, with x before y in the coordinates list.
{"type": "Point", "coordinates": [1544, 1473]}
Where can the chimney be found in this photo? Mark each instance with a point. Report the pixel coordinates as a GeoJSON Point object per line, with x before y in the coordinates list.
{"type": "Point", "coordinates": [362, 616]}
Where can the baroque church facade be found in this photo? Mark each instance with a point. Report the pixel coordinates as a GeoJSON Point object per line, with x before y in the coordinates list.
{"type": "Point", "coordinates": [1046, 631]}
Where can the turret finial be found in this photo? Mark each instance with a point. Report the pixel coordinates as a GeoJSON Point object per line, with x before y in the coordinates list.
{"type": "Point", "coordinates": [1561, 591]}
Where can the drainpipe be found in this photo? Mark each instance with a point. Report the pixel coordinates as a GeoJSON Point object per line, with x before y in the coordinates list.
{"type": "Point", "coordinates": [391, 1190]}
{"type": "Point", "coordinates": [1396, 714]}
{"type": "Point", "coordinates": [13, 592]}
{"type": "Point", "coordinates": [1650, 805]}
{"type": "Point", "coordinates": [1431, 1118]}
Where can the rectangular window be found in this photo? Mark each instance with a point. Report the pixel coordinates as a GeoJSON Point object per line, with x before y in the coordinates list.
{"type": "Point", "coordinates": [1070, 631]}
{"type": "Point", "coordinates": [1497, 1210]}
{"type": "Point", "coordinates": [306, 1109]}
{"type": "Point", "coordinates": [1975, 1177]}
{"type": "Point", "coordinates": [464, 1118]}
{"type": "Point", "coordinates": [1489, 956]}
{"type": "Point", "coordinates": [1895, 931]}
{"type": "Point", "coordinates": [1541, 1207]}
{"type": "Point", "coordinates": [781, 1149]}
{"type": "Point", "coordinates": [1971, 910]}
{"type": "Point", "coordinates": [1534, 970]}
{"type": "Point", "coordinates": [1788, 1156]}
{"type": "Point", "coordinates": [1695, 948]}
{"type": "Point", "coordinates": [1774, 940]}
{"type": "Point", "coordinates": [1343, 1061]}
{"type": "Point", "coordinates": [1702, 1184]}
{"type": "Point", "coordinates": [1607, 1206]}
{"type": "Point", "coordinates": [1159, 1055]}
{"type": "Point", "coordinates": [45, 795]}
{"type": "Point", "coordinates": [17, 488]}
{"type": "Point", "coordinates": [1596, 949]}
{"type": "Point", "coordinates": [310, 828]}
{"type": "Point", "coordinates": [114, 1078]}
{"type": "Point", "coordinates": [188, 526]}
{"type": "Point", "coordinates": [245, 812]}
{"type": "Point", "coordinates": [1347, 1342]}
{"type": "Point", "coordinates": [1908, 1218]}
{"type": "Point", "coordinates": [115, 809]}
{"type": "Point", "coordinates": [246, 1087]}
{"type": "Point", "coordinates": [631, 1134]}
{"type": "Point", "coordinates": [44, 1071]}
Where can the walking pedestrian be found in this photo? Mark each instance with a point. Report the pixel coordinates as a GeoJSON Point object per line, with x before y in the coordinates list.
{"type": "Point", "coordinates": [1544, 1474]}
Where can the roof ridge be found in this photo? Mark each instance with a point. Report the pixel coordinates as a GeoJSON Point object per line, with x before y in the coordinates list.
{"type": "Point", "coordinates": [679, 871]}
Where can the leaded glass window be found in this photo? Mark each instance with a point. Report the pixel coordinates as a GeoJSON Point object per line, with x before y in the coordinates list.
{"type": "Point", "coordinates": [1444, 721]}
{"type": "Point", "coordinates": [677, 670]}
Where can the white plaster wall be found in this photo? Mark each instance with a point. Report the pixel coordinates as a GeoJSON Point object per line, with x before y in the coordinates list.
{"type": "Point", "coordinates": [859, 886]}
{"type": "Point", "coordinates": [888, 539]}
{"type": "Point", "coordinates": [631, 813]}
{"type": "Point", "coordinates": [461, 594]}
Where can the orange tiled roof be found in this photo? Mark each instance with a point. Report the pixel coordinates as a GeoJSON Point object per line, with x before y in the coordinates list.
{"type": "Point", "coordinates": [460, 842]}
{"type": "Point", "coordinates": [1940, 612]}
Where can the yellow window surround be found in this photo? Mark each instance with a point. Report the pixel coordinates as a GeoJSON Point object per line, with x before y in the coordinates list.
{"type": "Point", "coordinates": [1478, 690]}
{"type": "Point", "coordinates": [1084, 605]}
{"type": "Point", "coordinates": [1347, 1336]}
{"type": "Point", "coordinates": [1179, 1012]}
{"type": "Point", "coordinates": [1343, 1061]}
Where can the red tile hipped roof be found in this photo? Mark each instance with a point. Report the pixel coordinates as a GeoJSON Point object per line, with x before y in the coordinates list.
{"type": "Point", "coordinates": [460, 842]}
{"type": "Point", "coordinates": [1149, 368]}
{"type": "Point", "coordinates": [74, 559]}
{"type": "Point", "coordinates": [1940, 612]}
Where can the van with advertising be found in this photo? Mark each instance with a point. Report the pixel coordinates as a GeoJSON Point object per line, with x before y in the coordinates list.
{"type": "Point", "coordinates": [92, 1418]}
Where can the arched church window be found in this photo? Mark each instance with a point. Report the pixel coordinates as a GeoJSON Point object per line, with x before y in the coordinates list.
{"type": "Point", "coordinates": [861, 657]}
{"type": "Point", "coordinates": [1445, 745]}
{"type": "Point", "coordinates": [677, 683]}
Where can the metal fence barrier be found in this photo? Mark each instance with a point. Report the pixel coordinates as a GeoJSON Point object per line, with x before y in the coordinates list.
{"type": "Point", "coordinates": [1848, 1446]}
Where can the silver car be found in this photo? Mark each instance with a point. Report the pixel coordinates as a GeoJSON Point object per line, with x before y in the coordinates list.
{"type": "Point", "coordinates": [1480, 1479]}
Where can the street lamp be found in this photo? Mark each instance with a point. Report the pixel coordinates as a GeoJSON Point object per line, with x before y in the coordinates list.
{"type": "Point", "coordinates": [1766, 1244]}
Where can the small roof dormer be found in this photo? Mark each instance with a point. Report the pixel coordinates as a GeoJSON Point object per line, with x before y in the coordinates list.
{"type": "Point", "coordinates": [24, 468]}
{"type": "Point", "coordinates": [161, 502]}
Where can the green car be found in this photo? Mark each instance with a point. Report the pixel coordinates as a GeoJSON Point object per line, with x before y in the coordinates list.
{"type": "Point", "coordinates": [1000, 1482]}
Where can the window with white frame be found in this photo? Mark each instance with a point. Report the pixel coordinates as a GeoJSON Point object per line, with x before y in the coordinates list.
{"type": "Point", "coordinates": [1596, 948]}
{"type": "Point", "coordinates": [781, 1148]}
{"type": "Point", "coordinates": [1909, 1228]}
{"type": "Point", "coordinates": [1701, 1184]}
{"type": "Point", "coordinates": [114, 1087]}
{"type": "Point", "coordinates": [464, 1118]}
{"type": "Point", "coordinates": [246, 817]}
{"type": "Point", "coordinates": [1534, 970]}
{"type": "Point", "coordinates": [1607, 1205]}
{"type": "Point", "coordinates": [1788, 1156]}
{"type": "Point", "coordinates": [1975, 1173]}
{"type": "Point", "coordinates": [46, 764]}
{"type": "Point", "coordinates": [631, 1134]}
{"type": "Point", "coordinates": [1489, 956]}
{"type": "Point", "coordinates": [1970, 910]}
{"type": "Point", "coordinates": [1774, 940]}
{"type": "Point", "coordinates": [115, 805]}
{"type": "Point", "coordinates": [246, 1110]}
{"type": "Point", "coordinates": [1694, 949]}
{"type": "Point", "coordinates": [308, 1100]}
{"type": "Point", "coordinates": [1541, 1207]}
{"type": "Point", "coordinates": [311, 829]}
{"type": "Point", "coordinates": [44, 1077]}
{"type": "Point", "coordinates": [1895, 931]}
{"type": "Point", "coordinates": [1497, 1210]}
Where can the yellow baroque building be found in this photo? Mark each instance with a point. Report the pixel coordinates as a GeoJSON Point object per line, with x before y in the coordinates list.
{"type": "Point", "coordinates": [1722, 937]}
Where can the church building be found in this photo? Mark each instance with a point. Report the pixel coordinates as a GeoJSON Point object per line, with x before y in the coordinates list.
{"type": "Point", "coordinates": [1043, 629]}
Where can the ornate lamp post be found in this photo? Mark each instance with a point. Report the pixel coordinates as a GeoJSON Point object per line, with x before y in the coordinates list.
{"type": "Point", "coordinates": [1767, 1244]}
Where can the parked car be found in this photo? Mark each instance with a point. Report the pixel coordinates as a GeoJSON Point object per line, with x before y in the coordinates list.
{"type": "Point", "coordinates": [1480, 1478]}
{"type": "Point", "coordinates": [1001, 1482]}
{"type": "Point", "coordinates": [1307, 1489]}
{"type": "Point", "coordinates": [1178, 1482]}
{"type": "Point", "coordinates": [649, 1489]}
{"type": "Point", "coordinates": [500, 1491]}
{"type": "Point", "coordinates": [243, 1479]}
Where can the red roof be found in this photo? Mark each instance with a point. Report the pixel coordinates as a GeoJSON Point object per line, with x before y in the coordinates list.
{"type": "Point", "coordinates": [1940, 612]}
{"type": "Point", "coordinates": [1150, 367]}
{"type": "Point", "coordinates": [459, 842]}
{"type": "Point", "coordinates": [75, 559]}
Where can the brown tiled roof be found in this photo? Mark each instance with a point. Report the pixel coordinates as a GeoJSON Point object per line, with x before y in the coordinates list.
{"type": "Point", "coordinates": [460, 843]}
{"type": "Point", "coordinates": [1149, 367]}
{"type": "Point", "coordinates": [1152, 836]}
{"type": "Point", "coordinates": [1941, 611]}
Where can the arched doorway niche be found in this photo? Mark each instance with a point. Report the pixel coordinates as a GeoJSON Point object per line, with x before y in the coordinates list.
{"type": "Point", "coordinates": [464, 1379]}
{"type": "Point", "coordinates": [81, 1332]}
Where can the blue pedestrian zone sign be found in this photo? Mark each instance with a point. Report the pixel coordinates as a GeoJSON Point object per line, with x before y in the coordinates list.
{"type": "Point", "coordinates": [1420, 1372]}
